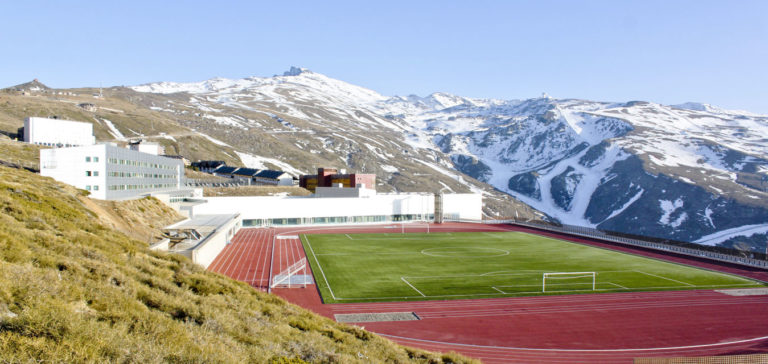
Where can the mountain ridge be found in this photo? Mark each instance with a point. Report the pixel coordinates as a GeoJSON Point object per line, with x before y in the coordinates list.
{"type": "Point", "coordinates": [562, 157]}
{"type": "Point", "coordinates": [566, 150]}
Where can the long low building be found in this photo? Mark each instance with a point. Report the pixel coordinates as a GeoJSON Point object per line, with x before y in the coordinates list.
{"type": "Point", "coordinates": [110, 172]}
{"type": "Point", "coordinates": [312, 210]}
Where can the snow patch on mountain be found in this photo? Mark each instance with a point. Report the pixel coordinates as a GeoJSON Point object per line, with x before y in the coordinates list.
{"type": "Point", "coordinates": [626, 205]}
{"type": "Point", "coordinates": [669, 208]}
{"type": "Point", "coordinates": [388, 168]}
{"type": "Point", "coordinates": [569, 158]}
{"type": "Point", "coordinates": [227, 120]}
{"type": "Point", "coordinates": [259, 162]}
{"type": "Point", "coordinates": [213, 140]}
{"type": "Point", "coordinates": [113, 130]}
{"type": "Point", "coordinates": [721, 236]}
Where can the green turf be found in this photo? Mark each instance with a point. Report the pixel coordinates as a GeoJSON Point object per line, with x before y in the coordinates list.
{"type": "Point", "coordinates": [398, 267]}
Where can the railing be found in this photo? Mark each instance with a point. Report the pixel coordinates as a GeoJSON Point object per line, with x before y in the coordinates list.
{"type": "Point", "coordinates": [683, 248]}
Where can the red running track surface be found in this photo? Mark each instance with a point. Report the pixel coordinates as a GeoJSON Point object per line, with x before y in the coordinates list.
{"type": "Point", "coordinates": [605, 328]}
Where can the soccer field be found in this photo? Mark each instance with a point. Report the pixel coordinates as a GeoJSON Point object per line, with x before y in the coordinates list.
{"type": "Point", "coordinates": [399, 267]}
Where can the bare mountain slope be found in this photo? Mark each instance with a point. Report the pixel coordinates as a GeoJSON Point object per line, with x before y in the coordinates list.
{"type": "Point", "coordinates": [681, 172]}
{"type": "Point", "coordinates": [689, 172]}
{"type": "Point", "coordinates": [254, 122]}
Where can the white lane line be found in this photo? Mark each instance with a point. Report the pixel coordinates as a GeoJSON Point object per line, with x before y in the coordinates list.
{"type": "Point", "coordinates": [579, 350]}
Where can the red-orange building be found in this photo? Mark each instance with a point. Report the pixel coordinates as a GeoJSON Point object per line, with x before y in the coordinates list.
{"type": "Point", "coordinates": [330, 177]}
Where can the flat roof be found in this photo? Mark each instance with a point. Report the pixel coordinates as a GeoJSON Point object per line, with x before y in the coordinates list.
{"type": "Point", "coordinates": [205, 225]}
{"type": "Point", "coordinates": [201, 222]}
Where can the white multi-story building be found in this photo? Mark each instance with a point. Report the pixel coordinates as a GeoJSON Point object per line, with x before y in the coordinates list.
{"type": "Point", "coordinates": [112, 173]}
{"type": "Point", "coordinates": [57, 132]}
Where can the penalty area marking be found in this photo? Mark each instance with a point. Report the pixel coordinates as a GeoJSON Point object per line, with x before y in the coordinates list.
{"type": "Point", "coordinates": [502, 292]}
{"type": "Point", "coordinates": [414, 288]}
{"type": "Point", "coordinates": [669, 279]}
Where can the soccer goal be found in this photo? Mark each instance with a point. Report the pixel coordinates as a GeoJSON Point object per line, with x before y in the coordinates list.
{"type": "Point", "coordinates": [286, 276]}
{"type": "Point", "coordinates": [414, 226]}
{"type": "Point", "coordinates": [559, 281]}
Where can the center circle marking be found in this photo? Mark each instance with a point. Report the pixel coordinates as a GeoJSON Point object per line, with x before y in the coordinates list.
{"type": "Point", "coordinates": [464, 252]}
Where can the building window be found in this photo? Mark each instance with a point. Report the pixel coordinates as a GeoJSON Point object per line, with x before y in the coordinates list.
{"type": "Point", "coordinates": [95, 173]}
{"type": "Point", "coordinates": [87, 159]}
{"type": "Point", "coordinates": [87, 173]}
{"type": "Point", "coordinates": [95, 159]}
{"type": "Point", "coordinates": [96, 187]}
{"type": "Point", "coordinates": [87, 188]}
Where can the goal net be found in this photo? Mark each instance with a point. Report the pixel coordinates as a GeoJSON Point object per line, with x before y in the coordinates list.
{"type": "Point", "coordinates": [285, 277]}
{"type": "Point", "coordinates": [414, 227]}
{"type": "Point", "coordinates": [568, 281]}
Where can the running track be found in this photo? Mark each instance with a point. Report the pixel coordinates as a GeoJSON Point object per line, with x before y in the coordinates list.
{"type": "Point", "coordinates": [608, 328]}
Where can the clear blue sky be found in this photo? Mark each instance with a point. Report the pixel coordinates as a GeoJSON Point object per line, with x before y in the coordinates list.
{"type": "Point", "coordinates": [663, 51]}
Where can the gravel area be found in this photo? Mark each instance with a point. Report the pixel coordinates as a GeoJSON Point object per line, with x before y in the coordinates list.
{"type": "Point", "coordinates": [375, 317]}
{"type": "Point", "coordinates": [745, 292]}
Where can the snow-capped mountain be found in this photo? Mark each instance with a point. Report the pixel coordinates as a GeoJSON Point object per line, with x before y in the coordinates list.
{"type": "Point", "coordinates": [679, 172]}
{"type": "Point", "coordinates": [689, 172]}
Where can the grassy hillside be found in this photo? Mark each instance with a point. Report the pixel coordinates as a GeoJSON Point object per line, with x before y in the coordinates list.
{"type": "Point", "coordinates": [75, 290]}
{"type": "Point", "coordinates": [176, 122]}
{"type": "Point", "coordinates": [19, 154]}
{"type": "Point", "coordinates": [132, 120]}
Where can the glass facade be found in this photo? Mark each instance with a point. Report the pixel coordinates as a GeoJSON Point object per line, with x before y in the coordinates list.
{"type": "Point", "coordinates": [336, 220]}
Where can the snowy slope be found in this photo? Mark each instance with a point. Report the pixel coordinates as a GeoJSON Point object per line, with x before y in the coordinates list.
{"type": "Point", "coordinates": [681, 172]}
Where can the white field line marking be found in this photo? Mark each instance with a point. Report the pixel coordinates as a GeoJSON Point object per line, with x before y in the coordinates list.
{"type": "Point", "coordinates": [399, 237]}
{"type": "Point", "coordinates": [616, 284]}
{"type": "Point", "coordinates": [502, 292]}
{"type": "Point", "coordinates": [580, 350]}
{"type": "Point", "coordinates": [414, 288]}
{"type": "Point", "coordinates": [367, 254]}
{"type": "Point", "coordinates": [349, 237]}
{"type": "Point", "coordinates": [320, 267]}
{"type": "Point", "coordinates": [507, 272]}
{"type": "Point", "coordinates": [692, 296]}
{"type": "Point", "coordinates": [553, 284]}
{"type": "Point", "coordinates": [495, 236]}
{"type": "Point", "coordinates": [535, 273]}
{"type": "Point", "coordinates": [532, 293]}
{"type": "Point", "coordinates": [467, 229]}
{"type": "Point", "coordinates": [669, 279]}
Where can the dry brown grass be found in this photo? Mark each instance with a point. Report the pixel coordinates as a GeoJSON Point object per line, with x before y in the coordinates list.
{"type": "Point", "coordinates": [19, 153]}
{"type": "Point", "coordinates": [73, 289]}
{"type": "Point", "coordinates": [141, 219]}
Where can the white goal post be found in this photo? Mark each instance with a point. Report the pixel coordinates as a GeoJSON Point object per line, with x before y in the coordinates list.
{"type": "Point", "coordinates": [567, 275]}
{"type": "Point", "coordinates": [288, 273]}
{"type": "Point", "coordinates": [413, 225]}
